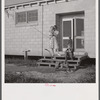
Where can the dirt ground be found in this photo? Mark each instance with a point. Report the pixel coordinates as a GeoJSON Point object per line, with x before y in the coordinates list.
{"type": "Point", "coordinates": [83, 75]}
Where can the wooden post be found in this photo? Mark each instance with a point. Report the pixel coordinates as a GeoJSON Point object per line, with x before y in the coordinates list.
{"type": "Point", "coordinates": [26, 54]}
{"type": "Point", "coordinates": [42, 26]}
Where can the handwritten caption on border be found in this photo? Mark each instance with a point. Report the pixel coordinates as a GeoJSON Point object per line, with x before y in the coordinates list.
{"type": "Point", "coordinates": [50, 85]}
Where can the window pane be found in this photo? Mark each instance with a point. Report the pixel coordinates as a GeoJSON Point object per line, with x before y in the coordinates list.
{"type": "Point", "coordinates": [20, 17]}
{"type": "Point", "coordinates": [65, 42]}
{"type": "Point", "coordinates": [79, 27]}
{"type": "Point", "coordinates": [67, 28]}
{"type": "Point", "coordinates": [79, 43]}
{"type": "Point", "coordinates": [32, 15]}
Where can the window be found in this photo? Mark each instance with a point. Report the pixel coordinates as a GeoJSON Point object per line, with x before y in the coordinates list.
{"type": "Point", "coordinates": [32, 16]}
{"type": "Point", "coordinates": [27, 17]}
{"type": "Point", "coordinates": [21, 17]}
{"type": "Point", "coordinates": [80, 43]}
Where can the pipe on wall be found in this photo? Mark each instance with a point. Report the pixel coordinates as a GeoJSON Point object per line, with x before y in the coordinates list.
{"type": "Point", "coordinates": [42, 26]}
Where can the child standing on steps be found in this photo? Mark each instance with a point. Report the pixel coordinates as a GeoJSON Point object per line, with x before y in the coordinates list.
{"type": "Point", "coordinates": [53, 40]}
{"type": "Point", "coordinates": [69, 51]}
{"type": "Point", "coordinates": [56, 32]}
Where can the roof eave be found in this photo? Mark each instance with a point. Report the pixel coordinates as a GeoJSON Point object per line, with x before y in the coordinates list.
{"type": "Point", "coordinates": [38, 2]}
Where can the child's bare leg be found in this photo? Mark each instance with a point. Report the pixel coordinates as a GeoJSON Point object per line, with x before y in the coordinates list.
{"type": "Point", "coordinates": [71, 55]}
{"type": "Point", "coordinates": [52, 52]}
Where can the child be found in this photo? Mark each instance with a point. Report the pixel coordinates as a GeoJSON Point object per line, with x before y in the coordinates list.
{"type": "Point", "coordinates": [69, 51]}
{"type": "Point", "coordinates": [56, 32]}
{"type": "Point", "coordinates": [53, 41]}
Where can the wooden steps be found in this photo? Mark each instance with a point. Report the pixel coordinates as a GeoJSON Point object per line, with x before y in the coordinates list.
{"type": "Point", "coordinates": [49, 62]}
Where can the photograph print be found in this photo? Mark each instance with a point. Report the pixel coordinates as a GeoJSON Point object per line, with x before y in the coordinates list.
{"type": "Point", "coordinates": [50, 41]}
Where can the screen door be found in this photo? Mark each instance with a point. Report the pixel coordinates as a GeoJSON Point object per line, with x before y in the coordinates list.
{"type": "Point", "coordinates": [67, 30]}
{"type": "Point", "coordinates": [79, 34]}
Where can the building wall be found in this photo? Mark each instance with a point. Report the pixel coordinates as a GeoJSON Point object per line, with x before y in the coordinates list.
{"type": "Point", "coordinates": [20, 38]}
{"type": "Point", "coordinates": [24, 37]}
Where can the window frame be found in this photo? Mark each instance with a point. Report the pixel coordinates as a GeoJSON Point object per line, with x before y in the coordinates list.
{"type": "Point", "coordinates": [27, 22]}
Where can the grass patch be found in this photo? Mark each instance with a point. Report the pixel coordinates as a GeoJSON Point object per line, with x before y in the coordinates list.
{"type": "Point", "coordinates": [88, 76]}
{"type": "Point", "coordinates": [14, 78]}
{"type": "Point", "coordinates": [21, 62]}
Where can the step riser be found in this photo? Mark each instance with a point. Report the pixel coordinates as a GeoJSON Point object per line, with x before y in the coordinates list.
{"type": "Point", "coordinates": [70, 62]}
{"type": "Point", "coordinates": [57, 60]}
{"type": "Point", "coordinates": [44, 60]}
{"type": "Point", "coordinates": [43, 64]}
{"type": "Point", "coordinates": [62, 58]}
{"type": "Point", "coordinates": [72, 67]}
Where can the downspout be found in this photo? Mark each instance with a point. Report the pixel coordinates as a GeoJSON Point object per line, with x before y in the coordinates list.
{"type": "Point", "coordinates": [42, 26]}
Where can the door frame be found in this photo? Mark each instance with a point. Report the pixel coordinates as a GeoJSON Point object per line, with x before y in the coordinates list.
{"type": "Point", "coordinates": [72, 33]}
